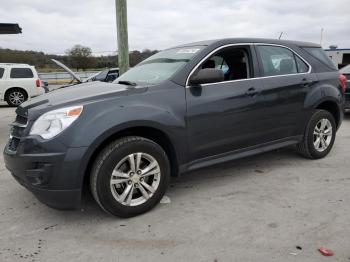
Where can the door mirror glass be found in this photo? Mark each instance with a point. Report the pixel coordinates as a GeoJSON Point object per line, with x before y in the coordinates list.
{"type": "Point", "coordinates": [206, 76]}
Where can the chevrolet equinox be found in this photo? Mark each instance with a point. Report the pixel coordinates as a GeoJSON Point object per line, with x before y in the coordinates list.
{"type": "Point", "coordinates": [181, 109]}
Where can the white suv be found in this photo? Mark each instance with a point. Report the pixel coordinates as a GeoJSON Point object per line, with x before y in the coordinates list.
{"type": "Point", "coordinates": [18, 82]}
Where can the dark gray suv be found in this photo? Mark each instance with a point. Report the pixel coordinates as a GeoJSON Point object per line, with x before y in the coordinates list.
{"type": "Point", "coordinates": [182, 109]}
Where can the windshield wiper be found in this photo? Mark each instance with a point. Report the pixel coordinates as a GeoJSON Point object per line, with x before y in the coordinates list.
{"type": "Point", "coordinates": [128, 83]}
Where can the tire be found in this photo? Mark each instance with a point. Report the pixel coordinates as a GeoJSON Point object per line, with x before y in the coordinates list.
{"type": "Point", "coordinates": [15, 97]}
{"type": "Point", "coordinates": [112, 196]}
{"type": "Point", "coordinates": [309, 147]}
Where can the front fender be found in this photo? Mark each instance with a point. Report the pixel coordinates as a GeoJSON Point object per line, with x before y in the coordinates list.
{"type": "Point", "coordinates": [163, 109]}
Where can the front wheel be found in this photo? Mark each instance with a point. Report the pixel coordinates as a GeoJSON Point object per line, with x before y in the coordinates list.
{"type": "Point", "coordinates": [130, 176]}
{"type": "Point", "coordinates": [319, 135]}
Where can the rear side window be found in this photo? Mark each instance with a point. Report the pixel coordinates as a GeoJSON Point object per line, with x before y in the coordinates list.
{"type": "Point", "coordinates": [301, 66]}
{"type": "Point", "coordinates": [21, 73]}
{"type": "Point", "coordinates": [280, 61]}
{"type": "Point", "coordinates": [2, 70]}
{"type": "Point", "coordinates": [319, 54]}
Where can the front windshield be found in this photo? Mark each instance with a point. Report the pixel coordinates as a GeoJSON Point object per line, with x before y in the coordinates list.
{"type": "Point", "coordinates": [160, 66]}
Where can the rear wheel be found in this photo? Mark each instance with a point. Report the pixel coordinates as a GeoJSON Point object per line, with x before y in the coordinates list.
{"type": "Point", "coordinates": [319, 135]}
{"type": "Point", "coordinates": [15, 97]}
{"type": "Point", "coordinates": [130, 176]}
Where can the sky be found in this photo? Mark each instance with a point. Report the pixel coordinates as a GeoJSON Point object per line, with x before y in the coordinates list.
{"type": "Point", "coordinates": [55, 26]}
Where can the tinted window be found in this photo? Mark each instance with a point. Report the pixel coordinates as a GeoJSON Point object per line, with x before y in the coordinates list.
{"type": "Point", "coordinates": [1, 72]}
{"type": "Point", "coordinates": [101, 76]}
{"type": "Point", "coordinates": [302, 66]}
{"type": "Point", "coordinates": [21, 73]}
{"type": "Point", "coordinates": [112, 75]}
{"type": "Point", "coordinates": [319, 54]}
{"type": "Point", "coordinates": [277, 60]}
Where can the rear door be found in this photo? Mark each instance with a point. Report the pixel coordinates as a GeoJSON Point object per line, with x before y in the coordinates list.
{"type": "Point", "coordinates": [286, 80]}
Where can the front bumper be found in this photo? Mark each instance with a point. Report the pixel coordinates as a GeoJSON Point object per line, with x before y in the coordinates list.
{"type": "Point", "coordinates": [54, 178]}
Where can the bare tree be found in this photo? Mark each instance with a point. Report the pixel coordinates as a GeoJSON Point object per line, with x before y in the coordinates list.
{"type": "Point", "coordinates": [80, 57]}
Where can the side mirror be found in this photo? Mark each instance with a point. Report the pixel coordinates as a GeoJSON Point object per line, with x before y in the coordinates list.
{"type": "Point", "coordinates": [206, 76]}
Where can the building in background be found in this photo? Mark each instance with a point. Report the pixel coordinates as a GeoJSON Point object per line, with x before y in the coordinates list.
{"type": "Point", "coordinates": [339, 56]}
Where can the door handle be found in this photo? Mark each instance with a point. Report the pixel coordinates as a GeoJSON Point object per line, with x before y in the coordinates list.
{"type": "Point", "coordinates": [306, 82]}
{"type": "Point", "coordinates": [251, 92]}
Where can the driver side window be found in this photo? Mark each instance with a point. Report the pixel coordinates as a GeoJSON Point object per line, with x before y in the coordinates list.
{"type": "Point", "coordinates": [233, 61]}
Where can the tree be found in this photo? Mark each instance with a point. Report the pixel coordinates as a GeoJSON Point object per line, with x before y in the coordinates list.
{"type": "Point", "coordinates": [43, 61]}
{"type": "Point", "coordinates": [80, 57]}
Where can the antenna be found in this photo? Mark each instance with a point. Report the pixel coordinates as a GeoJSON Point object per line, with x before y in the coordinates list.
{"type": "Point", "coordinates": [280, 35]}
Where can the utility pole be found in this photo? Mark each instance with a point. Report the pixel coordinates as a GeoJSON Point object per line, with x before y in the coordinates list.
{"type": "Point", "coordinates": [122, 35]}
{"type": "Point", "coordinates": [321, 40]}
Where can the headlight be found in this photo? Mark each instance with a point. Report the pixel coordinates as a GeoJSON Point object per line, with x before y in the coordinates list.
{"type": "Point", "coordinates": [54, 122]}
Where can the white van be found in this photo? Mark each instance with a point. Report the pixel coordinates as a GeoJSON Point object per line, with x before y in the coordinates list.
{"type": "Point", "coordinates": [18, 82]}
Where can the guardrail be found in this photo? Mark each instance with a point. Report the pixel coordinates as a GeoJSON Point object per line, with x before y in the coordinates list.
{"type": "Point", "coordinates": [61, 76]}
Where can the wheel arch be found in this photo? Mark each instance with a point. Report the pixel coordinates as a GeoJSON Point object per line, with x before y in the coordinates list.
{"type": "Point", "coordinates": [331, 106]}
{"type": "Point", "coordinates": [15, 87]}
{"type": "Point", "coordinates": [155, 134]}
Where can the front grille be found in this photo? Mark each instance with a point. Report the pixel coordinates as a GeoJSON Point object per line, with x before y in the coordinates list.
{"type": "Point", "coordinates": [13, 143]}
{"type": "Point", "coordinates": [17, 131]}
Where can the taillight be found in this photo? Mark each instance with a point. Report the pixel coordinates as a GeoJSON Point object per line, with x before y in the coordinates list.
{"type": "Point", "coordinates": [342, 82]}
{"type": "Point", "coordinates": [38, 83]}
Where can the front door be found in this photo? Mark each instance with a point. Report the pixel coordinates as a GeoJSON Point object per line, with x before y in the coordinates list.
{"type": "Point", "coordinates": [228, 115]}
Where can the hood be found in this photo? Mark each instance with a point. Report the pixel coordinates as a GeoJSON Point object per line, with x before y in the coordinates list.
{"type": "Point", "coordinates": [68, 70]}
{"type": "Point", "coordinates": [80, 94]}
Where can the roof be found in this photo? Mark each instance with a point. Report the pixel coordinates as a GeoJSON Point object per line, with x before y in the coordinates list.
{"type": "Point", "coordinates": [14, 64]}
{"type": "Point", "coordinates": [6, 28]}
{"type": "Point", "coordinates": [251, 40]}
{"type": "Point", "coordinates": [338, 49]}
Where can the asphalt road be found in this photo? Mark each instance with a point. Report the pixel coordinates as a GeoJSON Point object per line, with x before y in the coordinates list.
{"type": "Point", "coordinates": [256, 209]}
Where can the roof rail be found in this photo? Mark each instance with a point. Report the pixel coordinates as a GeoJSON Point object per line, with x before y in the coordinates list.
{"type": "Point", "coordinates": [9, 64]}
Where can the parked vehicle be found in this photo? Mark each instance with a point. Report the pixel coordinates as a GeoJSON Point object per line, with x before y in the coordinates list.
{"type": "Point", "coordinates": [107, 75]}
{"type": "Point", "coordinates": [18, 82]}
{"type": "Point", "coordinates": [346, 72]}
{"type": "Point", "coordinates": [182, 109]}
{"type": "Point", "coordinates": [45, 85]}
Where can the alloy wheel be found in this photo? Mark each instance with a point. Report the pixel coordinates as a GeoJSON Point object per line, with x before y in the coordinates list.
{"type": "Point", "coordinates": [135, 179]}
{"type": "Point", "coordinates": [16, 98]}
{"type": "Point", "coordinates": [322, 135]}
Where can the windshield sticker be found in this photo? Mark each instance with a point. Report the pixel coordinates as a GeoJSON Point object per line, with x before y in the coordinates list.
{"type": "Point", "coordinates": [188, 51]}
